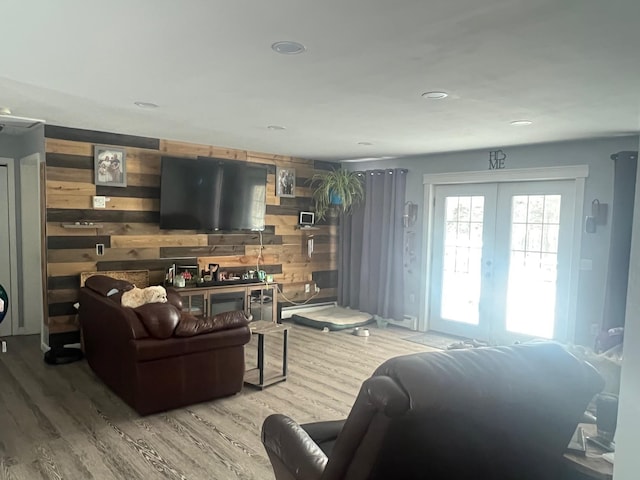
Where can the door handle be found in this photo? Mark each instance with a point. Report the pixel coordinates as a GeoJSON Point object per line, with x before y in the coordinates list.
{"type": "Point", "coordinates": [488, 270]}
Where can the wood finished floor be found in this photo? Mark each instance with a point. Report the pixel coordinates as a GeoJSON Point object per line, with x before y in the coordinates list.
{"type": "Point", "coordinates": [63, 423]}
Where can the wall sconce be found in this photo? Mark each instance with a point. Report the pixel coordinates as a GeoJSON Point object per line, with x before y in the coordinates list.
{"type": "Point", "coordinates": [598, 216]}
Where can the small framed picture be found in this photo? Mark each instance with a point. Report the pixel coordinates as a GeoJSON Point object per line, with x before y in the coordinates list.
{"type": "Point", "coordinates": [285, 182]}
{"type": "Point", "coordinates": [110, 166]}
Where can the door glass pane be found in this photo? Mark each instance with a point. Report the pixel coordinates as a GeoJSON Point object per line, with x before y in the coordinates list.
{"type": "Point", "coordinates": [461, 276]}
{"type": "Point", "coordinates": [531, 290]}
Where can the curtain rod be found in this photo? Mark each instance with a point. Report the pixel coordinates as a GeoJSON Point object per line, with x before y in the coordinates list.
{"type": "Point", "coordinates": [399, 170]}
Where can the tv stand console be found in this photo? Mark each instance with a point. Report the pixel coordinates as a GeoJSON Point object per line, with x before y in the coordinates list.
{"type": "Point", "coordinates": [257, 299]}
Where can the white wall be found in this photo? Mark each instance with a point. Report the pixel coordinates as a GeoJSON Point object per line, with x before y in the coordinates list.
{"type": "Point", "coordinates": [9, 146]}
{"type": "Point", "coordinates": [594, 153]}
{"type": "Point", "coordinates": [627, 464]}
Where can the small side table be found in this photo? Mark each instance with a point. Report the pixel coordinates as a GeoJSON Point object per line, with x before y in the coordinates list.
{"type": "Point", "coordinates": [591, 465]}
{"type": "Point", "coordinates": [258, 377]}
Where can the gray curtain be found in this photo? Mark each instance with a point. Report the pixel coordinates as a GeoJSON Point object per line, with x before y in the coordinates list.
{"type": "Point", "coordinates": [370, 254]}
{"type": "Point", "coordinates": [624, 188]}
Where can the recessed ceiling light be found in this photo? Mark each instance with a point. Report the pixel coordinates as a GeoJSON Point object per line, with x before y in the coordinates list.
{"type": "Point", "coordinates": [5, 111]}
{"type": "Point", "coordinates": [521, 123]}
{"type": "Point", "coordinates": [276, 127]}
{"type": "Point", "coordinates": [145, 105]}
{"type": "Point", "coordinates": [435, 95]}
{"type": "Point", "coordinates": [365, 144]}
{"type": "Point", "coordinates": [287, 47]}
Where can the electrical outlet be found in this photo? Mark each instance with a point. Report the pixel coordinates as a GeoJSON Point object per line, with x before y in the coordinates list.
{"type": "Point", "coordinates": [307, 288]}
{"type": "Point", "coordinates": [317, 289]}
{"type": "Point", "coordinates": [412, 298]}
{"type": "Point", "coordinates": [4, 346]}
{"type": "Point", "coordinates": [99, 202]}
{"type": "Point", "coordinates": [99, 249]}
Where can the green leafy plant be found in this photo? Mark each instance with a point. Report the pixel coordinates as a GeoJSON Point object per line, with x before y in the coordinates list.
{"type": "Point", "coordinates": [340, 189]}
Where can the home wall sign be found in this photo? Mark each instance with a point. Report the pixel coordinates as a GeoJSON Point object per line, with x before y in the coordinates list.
{"type": "Point", "coordinates": [496, 159]}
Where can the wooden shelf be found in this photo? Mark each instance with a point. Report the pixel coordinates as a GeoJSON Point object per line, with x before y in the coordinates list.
{"type": "Point", "coordinates": [81, 225]}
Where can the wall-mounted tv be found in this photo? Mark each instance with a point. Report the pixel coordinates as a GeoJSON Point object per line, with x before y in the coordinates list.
{"type": "Point", "coordinates": [212, 194]}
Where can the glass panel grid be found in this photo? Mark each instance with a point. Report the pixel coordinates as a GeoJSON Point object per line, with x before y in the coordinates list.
{"type": "Point", "coordinates": [531, 289]}
{"type": "Point", "coordinates": [462, 259]}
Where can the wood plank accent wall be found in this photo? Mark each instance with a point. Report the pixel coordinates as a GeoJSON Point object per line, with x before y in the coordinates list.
{"type": "Point", "coordinates": [130, 223]}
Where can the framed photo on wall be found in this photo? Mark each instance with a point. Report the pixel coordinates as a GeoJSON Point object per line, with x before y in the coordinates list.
{"type": "Point", "coordinates": [110, 165]}
{"type": "Point", "coordinates": [285, 182]}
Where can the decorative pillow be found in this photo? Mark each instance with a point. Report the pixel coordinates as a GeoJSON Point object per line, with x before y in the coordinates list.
{"type": "Point", "coordinates": [141, 296]}
{"type": "Point", "coordinates": [190, 326]}
{"type": "Point", "coordinates": [159, 319]}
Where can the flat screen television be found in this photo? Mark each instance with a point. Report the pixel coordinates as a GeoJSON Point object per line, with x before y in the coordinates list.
{"type": "Point", "coordinates": [211, 194]}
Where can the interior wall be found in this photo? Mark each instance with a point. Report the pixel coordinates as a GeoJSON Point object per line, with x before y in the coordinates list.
{"type": "Point", "coordinates": [130, 223]}
{"type": "Point", "coordinates": [599, 185]}
{"type": "Point", "coordinates": [8, 146]}
{"type": "Point", "coordinates": [29, 156]}
{"type": "Point", "coordinates": [627, 463]}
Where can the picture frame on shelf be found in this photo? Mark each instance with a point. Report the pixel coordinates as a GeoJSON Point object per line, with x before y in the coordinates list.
{"type": "Point", "coordinates": [110, 165]}
{"type": "Point", "coordinates": [213, 271]}
{"type": "Point", "coordinates": [285, 182]}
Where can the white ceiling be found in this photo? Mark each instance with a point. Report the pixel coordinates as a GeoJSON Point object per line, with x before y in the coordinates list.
{"type": "Point", "coordinates": [570, 66]}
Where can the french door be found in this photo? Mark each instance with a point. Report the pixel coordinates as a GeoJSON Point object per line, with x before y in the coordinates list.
{"type": "Point", "coordinates": [501, 259]}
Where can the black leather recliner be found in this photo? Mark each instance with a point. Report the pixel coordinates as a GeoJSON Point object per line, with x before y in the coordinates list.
{"type": "Point", "coordinates": [489, 413]}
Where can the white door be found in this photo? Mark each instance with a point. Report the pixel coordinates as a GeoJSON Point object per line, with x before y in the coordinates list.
{"type": "Point", "coordinates": [463, 239]}
{"type": "Point", "coordinates": [5, 265]}
{"type": "Point", "coordinates": [501, 260]}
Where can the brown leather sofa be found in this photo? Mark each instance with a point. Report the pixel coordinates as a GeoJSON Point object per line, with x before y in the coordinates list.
{"type": "Point", "coordinates": [156, 357]}
{"type": "Point", "coordinates": [480, 414]}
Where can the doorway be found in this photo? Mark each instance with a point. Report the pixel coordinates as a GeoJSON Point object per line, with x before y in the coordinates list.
{"type": "Point", "coordinates": [5, 250]}
{"type": "Point", "coordinates": [502, 257]}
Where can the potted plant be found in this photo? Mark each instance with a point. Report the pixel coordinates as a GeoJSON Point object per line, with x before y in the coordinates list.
{"type": "Point", "coordinates": [338, 189]}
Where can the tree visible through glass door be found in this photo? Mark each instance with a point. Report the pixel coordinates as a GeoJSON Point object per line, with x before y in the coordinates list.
{"type": "Point", "coordinates": [533, 273]}
{"type": "Point", "coordinates": [461, 279]}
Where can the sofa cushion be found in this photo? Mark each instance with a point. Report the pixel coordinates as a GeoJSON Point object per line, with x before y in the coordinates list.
{"type": "Point", "coordinates": [108, 287]}
{"type": "Point", "coordinates": [159, 319]}
{"type": "Point", "coordinates": [154, 349]}
{"type": "Point", "coordinates": [190, 326]}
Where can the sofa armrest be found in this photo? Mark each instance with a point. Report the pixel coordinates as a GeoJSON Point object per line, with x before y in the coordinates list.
{"type": "Point", "coordinates": [107, 321]}
{"type": "Point", "coordinates": [386, 395]}
{"type": "Point", "coordinates": [174, 297]}
{"type": "Point", "coordinates": [190, 326]}
{"type": "Point", "coordinates": [293, 453]}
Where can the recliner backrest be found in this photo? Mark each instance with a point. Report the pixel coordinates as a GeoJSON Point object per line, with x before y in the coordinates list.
{"type": "Point", "coordinates": [505, 413]}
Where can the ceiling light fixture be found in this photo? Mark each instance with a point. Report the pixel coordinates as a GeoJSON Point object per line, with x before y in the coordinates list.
{"type": "Point", "coordinates": [521, 123]}
{"type": "Point", "coordinates": [287, 47]}
{"type": "Point", "coordinates": [435, 95]}
{"type": "Point", "coordinates": [145, 105]}
{"type": "Point", "coordinates": [365, 144]}
{"type": "Point", "coordinates": [276, 127]}
{"type": "Point", "coordinates": [5, 111]}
